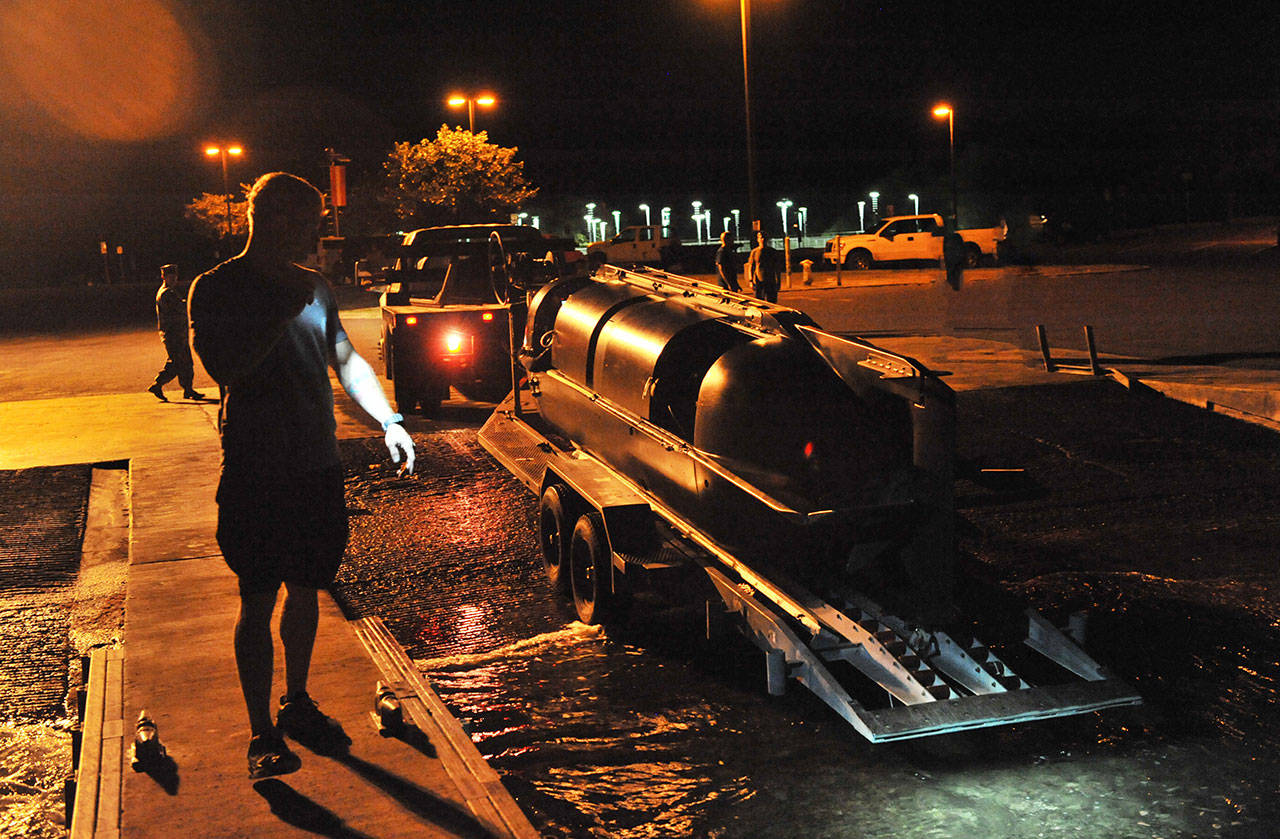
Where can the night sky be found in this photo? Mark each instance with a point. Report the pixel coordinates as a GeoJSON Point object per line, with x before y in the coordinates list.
{"type": "Point", "coordinates": [107, 104]}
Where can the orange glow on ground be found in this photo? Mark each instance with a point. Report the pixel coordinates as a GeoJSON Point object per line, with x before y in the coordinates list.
{"type": "Point", "coordinates": [122, 70]}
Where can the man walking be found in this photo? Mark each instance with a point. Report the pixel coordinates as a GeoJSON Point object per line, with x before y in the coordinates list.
{"type": "Point", "coordinates": [764, 270]}
{"type": "Point", "coordinates": [171, 320]}
{"type": "Point", "coordinates": [267, 330]}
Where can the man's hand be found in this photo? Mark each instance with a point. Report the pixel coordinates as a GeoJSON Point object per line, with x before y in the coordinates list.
{"type": "Point", "coordinates": [399, 442]}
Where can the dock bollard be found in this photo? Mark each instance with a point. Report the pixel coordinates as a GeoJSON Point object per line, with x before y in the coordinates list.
{"type": "Point", "coordinates": [388, 714]}
{"type": "Point", "coordinates": [148, 751]}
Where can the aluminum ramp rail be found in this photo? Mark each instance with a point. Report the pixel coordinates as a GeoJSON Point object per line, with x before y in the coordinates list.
{"type": "Point", "coordinates": [935, 684]}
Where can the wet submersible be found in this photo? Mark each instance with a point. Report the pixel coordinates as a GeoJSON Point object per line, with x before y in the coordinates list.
{"type": "Point", "coordinates": [666, 422]}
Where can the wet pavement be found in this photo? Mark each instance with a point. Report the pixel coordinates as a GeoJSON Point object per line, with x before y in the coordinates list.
{"type": "Point", "coordinates": [646, 731]}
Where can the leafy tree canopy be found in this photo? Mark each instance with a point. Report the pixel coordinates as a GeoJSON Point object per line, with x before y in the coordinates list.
{"type": "Point", "coordinates": [458, 177]}
{"type": "Point", "coordinates": [209, 214]}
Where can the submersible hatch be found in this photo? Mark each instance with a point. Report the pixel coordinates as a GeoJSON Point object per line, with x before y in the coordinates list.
{"type": "Point", "coordinates": [667, 422]}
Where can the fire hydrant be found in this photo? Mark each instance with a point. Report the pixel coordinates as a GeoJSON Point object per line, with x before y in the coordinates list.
{"type": "Point", "coordinates": [806, 267]}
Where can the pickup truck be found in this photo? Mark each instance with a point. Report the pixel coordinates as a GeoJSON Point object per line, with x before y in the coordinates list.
{"type": "Point", "coordinates": [902, 238]}
{"type": "Point", "coordinates": [639, 245]}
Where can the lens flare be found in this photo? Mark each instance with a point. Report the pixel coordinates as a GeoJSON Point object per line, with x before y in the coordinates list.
{"type": "Point", "coordinates": [122, 70]}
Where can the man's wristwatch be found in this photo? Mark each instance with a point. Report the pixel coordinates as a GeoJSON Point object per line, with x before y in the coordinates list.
{"type": "Point", "coordinates": [389, 421]}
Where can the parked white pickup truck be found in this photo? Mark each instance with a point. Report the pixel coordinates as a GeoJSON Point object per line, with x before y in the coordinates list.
{"type": "Point", "coordinates": [910, 237]}
{"type": "Point", "coordinates": [641, 245]}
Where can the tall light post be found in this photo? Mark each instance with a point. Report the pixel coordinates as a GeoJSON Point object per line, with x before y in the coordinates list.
{"type": "Point", "coordinates": [737, 228]}
{"type": "Point", "coordinates": [666, 220]}
{"type": "Point", "coordinates": [484, 100]}
{"type": "Point", "coordinates": [875, 205]}
{"type": "Point", "coordinates": [224, 152]}
{"type": "Point", "coordinates": [644, 208]}
{"type": "Point", "coordinates": [803, 213]}
{"type": "Point", "coordinates": [940, 111]}
{"type": "Point", "coordinates": [697, 219]}
{"type": "Point", "coordinates": [783, 205]}
{"type": "Point", "coordinates": [617, 222]}
{"type": "Point", "coordinates": [753, 201]}
{"type": "Point", "coordinates": [915, 203]}
{"type": "Point", "coordinates": [862, 216]}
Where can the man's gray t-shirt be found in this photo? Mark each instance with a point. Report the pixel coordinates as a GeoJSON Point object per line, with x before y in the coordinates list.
{"type": "Point", "coordinates": [277, 414]}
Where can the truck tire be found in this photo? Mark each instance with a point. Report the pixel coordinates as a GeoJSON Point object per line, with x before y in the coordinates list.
{"type": "Point", "coordinates": [859, 259]}
{"type": "Point", "coordinates": [591, 570]}
{"type": "Point", "coordinates": [554, 536]}
{"type": "Point", "coordinates": [384, 347]}
{"type": "Point", "coordinates": [972, 256]}
{"type": "Point", "coordinates": [405, 395]}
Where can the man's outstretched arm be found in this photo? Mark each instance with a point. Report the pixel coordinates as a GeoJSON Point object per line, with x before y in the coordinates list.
{"type": "Point", "coordinates": [362, 385]}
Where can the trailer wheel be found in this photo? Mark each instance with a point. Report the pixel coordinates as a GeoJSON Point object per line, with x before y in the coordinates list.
{"type": "Point", "coordinates": [591, 566]}
{"type": "Point", "coordinates": [553, 533]}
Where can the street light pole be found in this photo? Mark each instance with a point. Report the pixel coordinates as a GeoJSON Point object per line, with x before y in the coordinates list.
{"type": "Point", "coordinates": [940, 111]}
{"type": "Point", "coordinates": [222, 152]}
{"type": "Point", "coordinates": [753, 202]}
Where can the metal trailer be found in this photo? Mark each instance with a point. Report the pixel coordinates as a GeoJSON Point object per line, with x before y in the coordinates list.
{"type": "Point", "coordinates": [448, 311]}
{"type": "Point", "coordinates": [630, 484]}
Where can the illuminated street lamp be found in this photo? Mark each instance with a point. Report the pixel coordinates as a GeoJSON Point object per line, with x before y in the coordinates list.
{"type": "Point", "coordinates": [697, 219]}
{"type": "Point", "coordinates": [224, 152]}
{"type": "Point", "coordinates": [484, 100]}
{"type": "Point", "coordinates": [940, 111]}
{"type": "Point", "coordinates": [803, 213]}
{"type": "Point", "coordinates": [666, 219]}
{"type": "Point", "coordinates": [617, 221]}
{"type": "Point", "coordinates": [591, 226]}
{"type": "Point", "coordinates": [783, 205]}
{"type": "Point", "coordinates": [645, 209]}
{"type": "Point", "coordinates": [915, 202]}
{"type": "Point", "coordinates": [737, 229]}
{"type": "Point", "coordinates": [862, 217]}
{"type": "Point", "coordinates": [875, 203]}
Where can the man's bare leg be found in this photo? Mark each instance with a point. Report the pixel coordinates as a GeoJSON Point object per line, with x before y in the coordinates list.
{"type": "Point", "coordinates": [254, 656]}
{"type": "Point", "coordinates": [298, 622]}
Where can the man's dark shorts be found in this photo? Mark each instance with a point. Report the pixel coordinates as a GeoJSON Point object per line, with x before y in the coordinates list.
{"type": "Point", "coordinates": [290, 529]}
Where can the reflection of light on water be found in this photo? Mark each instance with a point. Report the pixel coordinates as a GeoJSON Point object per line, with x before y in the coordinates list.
{"type": "Point", "coordinates": [34, 761]}
{"type": "Point", "coordinates": [534, 645]}
{"type": "Point", "coordinates": [642, 799]}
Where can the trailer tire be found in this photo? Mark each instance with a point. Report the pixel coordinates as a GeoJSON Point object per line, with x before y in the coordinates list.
{"type": "Point", "coordinates": [555, 537]}
{"type": "Point", "coordinates": [591, 569]}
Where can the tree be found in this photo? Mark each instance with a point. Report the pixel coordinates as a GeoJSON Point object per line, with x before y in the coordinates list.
{"type": "Point", "coordinates": [209, 214]}
{"type": "Point", "coordinates": [457, 177]}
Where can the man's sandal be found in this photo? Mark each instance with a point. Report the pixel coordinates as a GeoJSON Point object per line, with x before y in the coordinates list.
{"type": "Point", "coordinates": [269, 756]}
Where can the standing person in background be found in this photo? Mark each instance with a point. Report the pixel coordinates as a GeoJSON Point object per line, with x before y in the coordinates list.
{"type": "Point", "coordinates": [764, 269]}
{"type": "Point", "coordinates": [953, 256]}
{"type": "Point", "coordinates": [727, 263]}
{"type": "Point", "coordinates": [268, 330]}
{"type": "Point", "coordinates": [171, 320]}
